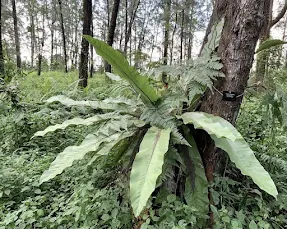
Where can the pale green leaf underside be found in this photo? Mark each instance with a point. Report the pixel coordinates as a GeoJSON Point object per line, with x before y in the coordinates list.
{"type": "Point", "coordinates": [74, 153]}
{"type": "Point", "coordinates": [122, 68]}
{"type": "Point", "coordinates": [244, 159]}
{"type": "Point", "coordinates": [213, 39]}
{"type": "Point", "coordinates": [230, 140]}
{"type": "Point", "coordinates": [113, 77]}
{"type": "Point", "coordinates": [93, 104]}
{"type": "Point", "coordinates": [198, 197]}
{"type": "Point", "coordinates": [147, 167]}
{"type": "Point", "coordinates": [109, 146]}
{"type": "Point", "coordinates": [74, 121]}
{"type": "Point", "coordinates": [211, 124]}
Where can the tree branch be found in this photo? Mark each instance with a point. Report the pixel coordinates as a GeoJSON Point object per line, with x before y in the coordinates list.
{"type": "Point", "coordinates": [280, 15]}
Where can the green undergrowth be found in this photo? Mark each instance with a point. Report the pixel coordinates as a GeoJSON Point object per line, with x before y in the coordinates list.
{"type": "Point", "coordinates": [97, 196]}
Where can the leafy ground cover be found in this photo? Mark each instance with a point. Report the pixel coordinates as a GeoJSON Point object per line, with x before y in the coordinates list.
{"type": "Point", "coordinates": [93, 196]}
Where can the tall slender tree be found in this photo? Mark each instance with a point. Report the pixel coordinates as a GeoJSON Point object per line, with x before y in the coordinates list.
{"type": "Point", "coordinates": [31, 5]}
{"type": "Point", "coordinates": [167, 8]}
{"type": "Point", "coordinates": [112, 28]}
{"type": "Point", "coordinates": [16, 33]}
{"type": "Point", "coordinates": [128, 25]}
{"type": "Point", "coordinates": [63, 36]}
{"type": "Point", "coordinates": [87, 21]}
{"type": "Point", "coordinates": [2, 69]}
{"type": "Point", "coordinates": [262, 58]}
{"type": "Point", "coordinates": [52, 29]}
{"type": "Point", "coordinates": [44, 10]}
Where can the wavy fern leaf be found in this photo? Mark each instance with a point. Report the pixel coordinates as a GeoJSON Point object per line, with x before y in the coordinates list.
{"type": "Point", "coordinates": [93, 104]}
{"type": "Point", "coordinates": [105, 150]}
{"type": "Point", "coordinates": [147, 167]}
{"type": "Point", "coordinates": [213, 39]}
{"type": "Point", "coordinates": [74, 153]}
{"type": "Point", "coordinates": [211, 124]}
{"type": "Point", "coordinates": [124, 70]}
{"type": "Point", "coordinates": [77, 121]}
{"type": "Point", "coordinates": [230, 140]}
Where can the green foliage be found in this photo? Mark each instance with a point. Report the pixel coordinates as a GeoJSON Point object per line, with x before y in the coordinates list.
{"type": "Point", "coordinates": [199, 195]}
{"type": "Point", "coordinates": [147, 166]}
{"type": "Point", "coordinates": [161, 116]}
{"type": "Point", "coordinates": [113, 134]}
{"type": "Point", "coordinates": [93, 193]}
{"type": "Point", "coordinates": [270, 43]}
{"type": "Point", "coordinates": [124, 70]}
{"type": "Point", "coordinates": [230, 140]}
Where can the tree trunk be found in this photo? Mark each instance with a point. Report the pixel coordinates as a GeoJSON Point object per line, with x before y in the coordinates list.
{"type": "Point", "coordinates": [128, 26]}
{"type": "Point", "coordinates": [63, 36]}
{"type": "Point", "coordinates": [2, 69]}
{"type": "Point", "coordinates": [244, 19]}
{"type": "Point", "coordinates": [40, 55]}
{"type": "Point", "coordinates": [181, 35]}
{"type": "Point", "coordinates": [87, 20]}
{"type": "Point", "coordinates": [17, 42]}
{"type": "Point", "coordinates": [32, 30]}
{"type": "Point", "coordinates": [262, 58]}
{"type": "Point", "coordinates": [172, 40]}
{"type": "Point", "coordinates": [166, 38]}
{"type": "Point", "coordinates": [52, 34]}
{"type": "Point", "coordinates": [92, 51]}
{"type": "Point", "coordinates": [112, 27]}
{"type": "Point", "coordinates": [166, 30]}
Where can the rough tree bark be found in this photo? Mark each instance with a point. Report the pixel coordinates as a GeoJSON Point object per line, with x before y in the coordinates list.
{"type": "Point", "coordinates": [244, 19]}
{"type": "Point", "coordinates": [87, 21]}
{"type": "Point", "coordinates": [112, 27]}
{"type": "Point", "coordinates": [2, 69]}
{"type": "Point", "coordinates": [16, 33]}
{"type": "Point", "coordinates": [63, 36]}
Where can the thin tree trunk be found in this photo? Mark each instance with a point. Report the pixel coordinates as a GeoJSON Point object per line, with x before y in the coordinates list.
{"type": "Point", "coordinates": [52, 34]}
{"type": "Point", "coordinates": [63, 36]}
{"type": "Point", "coordinates": [112, 27]}
{"type": "Point", "coordinates": [16, 32]}
{"type": "Point", "coordinates": [166, 30]}
{"type": "Point", "coordinates": [244, 19]}
{"type": "Point", "coordinates": [32, 30]}
{"type": "Point", "coordinates": [172, 39]}
{"type": "Point", "coordinates": [166, 38]}
{"type": "Point", "coordinates": [87, 20]}
{"type": "Point", "coordinates": [181, 35]}
{"type": "Point", "coordinates": [262, 58]}
{"type": "Point", "coordinates": [128, 27]}
{"type": "Point", "coordinates": [40, 55]}
{"type": "Point", "coordinates": [92, 51]}
{"type": "Point", "coordinates": [2, 68]}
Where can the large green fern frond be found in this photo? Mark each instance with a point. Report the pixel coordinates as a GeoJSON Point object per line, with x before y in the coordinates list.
{"type": "Point", "coordinates": [123, 69]}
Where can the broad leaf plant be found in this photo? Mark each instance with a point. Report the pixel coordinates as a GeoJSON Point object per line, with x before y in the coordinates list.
{"type": "Point", "coordinates": [158, 128]}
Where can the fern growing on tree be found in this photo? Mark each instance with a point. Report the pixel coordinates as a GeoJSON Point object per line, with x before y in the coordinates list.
{"type": "Point", "coordinates": [159, 129]}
